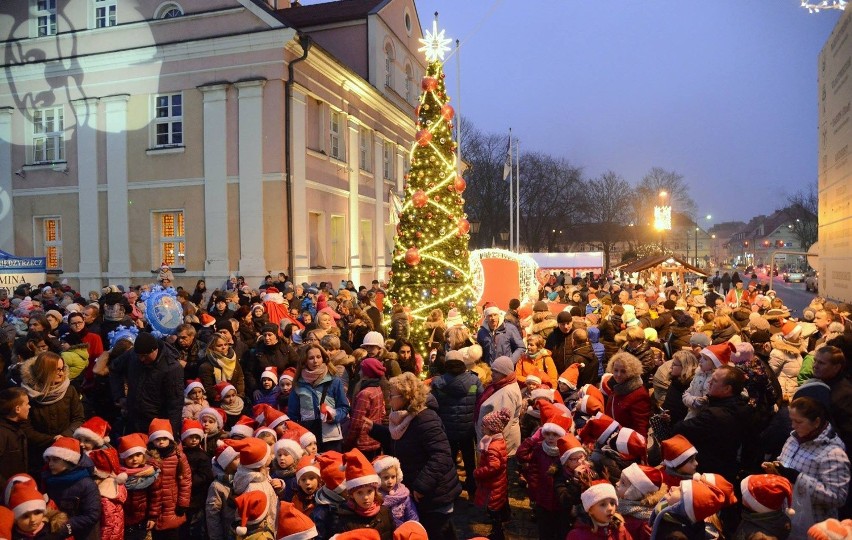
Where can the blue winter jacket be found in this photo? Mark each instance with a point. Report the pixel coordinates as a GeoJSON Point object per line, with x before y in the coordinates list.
{"type": "Point", "coordinates": [598, 348]}
{"type": "Point", "coordinates": [457, 395]}
{"type": "Point", "coordinates": [304, 404]}
{"type": "Point", "coordinates": [76, 494]}
{"type": "Point", "coordinates": [504, 341]}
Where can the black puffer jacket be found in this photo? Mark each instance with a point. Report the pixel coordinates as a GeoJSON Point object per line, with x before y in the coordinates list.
{"type": "Point", "coordinates": [76, 494]}
{"type": "Point", "coordinates": [457, 395]}
{"type": "Point", "coordinates": [424, 453]}
{"type": "Point", "coordinates": [648, 356]}
{"type": "Point", "coordinates": [13, 443]}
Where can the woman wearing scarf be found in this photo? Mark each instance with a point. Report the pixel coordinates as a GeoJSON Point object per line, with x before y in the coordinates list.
{"type": "Point", "coordinates": [56, 407]}
{"type": "Point", "coordinates": [629, 402]}
{"type": "Point", "coordinates": [502, 393]}
{"type": "Point", "coordinates": [220, 364]}
{"type": "Point", "coordinates": [417, 439]}
{"type": "Point", "coordinates": [318, 400]}
{"type": "Point", "coordinates": [79, 335]}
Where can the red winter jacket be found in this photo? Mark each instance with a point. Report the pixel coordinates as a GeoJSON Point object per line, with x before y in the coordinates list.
{"type": "Point", "coordinates": [582, 531]}
{"type": "Point", "coordinates": [112, 514]}
{"type": "Point", "coordinates": [540, 482]}
{"type": "Point", "coordinates": [492, 481]}
{"type": "Point", "coordinates": [632, 410]}
{"type": "Point", "coordinates": [174, 489]}
{"type": "Point", "coordinates": [368, 403]}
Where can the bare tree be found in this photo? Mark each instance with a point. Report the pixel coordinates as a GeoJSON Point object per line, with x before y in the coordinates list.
{"type": "Point", "coordinates": [648, 193]}
{"type": "Point", "coordinates": [487, 195]}
{"type": "Point", "coordinates": [804, 208]}
{"type": "Point", "coordinates": [609, 211]}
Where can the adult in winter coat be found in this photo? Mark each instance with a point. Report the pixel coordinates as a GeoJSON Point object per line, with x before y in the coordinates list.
{"type": "Point", "coordinates": [271, 350]}
{"type": "Point", "coordinates": [417, 439]}
{"type": "Point", "coordinates": [629, 403]}
{"type": "Point", "coordinates": [681, 331]}
{"type": "Point", "coordinates": [543, 321]}
{"type": "Point", "coordinates": [814, 460]}
{"type": "Point", "coordinates": [154, 380]}
{"type": "Point", "coordinates": [559, 341]}
{"type": "Point", "coordinates": [221, 364]}
{"type": "Point", "coordinates": [369, 402]}
{"type": "Point", "coordinates": [502, 393]}
{"type": "Point", "coordinates": [785, 359]}
{"type": "Point", "coordinates": [318, 400]}
{"type": "Point", "coordinates": [499, 339]}
{"type": "Point", "coordinates": [585, 355]}
{"type": "Point", "coordinates": [649, 357]}
{"type": "Point", "coordinates": [56, 407]}
{"type": "Point", "coordinates": [456, 392]}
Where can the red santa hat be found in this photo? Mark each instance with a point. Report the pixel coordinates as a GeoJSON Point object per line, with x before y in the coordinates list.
{"type": "Point", "coordinates": [719, 481]}
{"type": "Point", "coordinates": [589, 405]}
{"type": "Point", "coordinates": [307, 465]}
{"type": "Point", "coordinates": [383, 463]}
{"type": "Point", "coordinates": [410, 530]}
{"type": "Point", "coordinates": [568, 445]}
{"type": "Point", "coordinates": [64, 448]}
{"type": "Point", "coordinates": [767, 493]}
{"type": "Point", "coordinates": [630, 444]}
{"type": "Point", "coordinates": [571, 375]}
{"type": "Point", "coordinates": [263, 429]}
{"type": "Point", "coordinates": [243, 427]}
{"type": "Point", "coordinates": [254, 453]}
{"type": "Point", "coordinates": [272, 418]}
{"type": "Point", "coordinates": [606, 385]}
{"type": "Point", "coordinates": [676, 451]}
{"type": "Point", "coordinates": [598, 429]}
{"type": "Point", "coordinates": [554, 419]}
{"type": "Point", "coordinates": [215, 413]}
{"type": "Point", "coordinates": [222, 388]}
{"type": "Point", "coordinates": [252, 508]}
{"type": "Point", "coordinates": [206, 319]}
{"type": "Point", "coordinates": [359, 471]}
{"type": "Point", "coordinates": [191, 427]}
{"type": "Point", "coordinates": [271, 373]}
{"type": "Point", "coordinates": [289, 374]}
{"type": "Point", "coordinates": [290, 446]}
{"type": "Point", "coordinates": [534, 377]}
{"type": "Point", "coordinates": [106, 464]}
{"type": "Point", "coordinates": [598, 491]}
{"type": "Point", "coordinates": [700, 500]}
{"type": "Point", "coordinates": [358, 534]}
{"type": "Point", "coordinates": [132, 444]}
{"type": "Point", "coordinates": [645, 479]}
{"type": "Point", "coordinates": [95, 429]}
{"type": "Point", "coordinates": [720, 354]}
{"type": "Point", "coordinates": [592, 390]}
{"type": "Point", "coordinates": [20, 478]}
{"type": "Point", "coordinates": [259, 412]}
{"type": "Point", "coordinates": [192, 385]}
{"type": "Point", "coordinates": [225, 454]}
{"type": "Point", "coordinates": [330, 464]}
{"type": "Point", "coordinates": [543, 392]}
{"type": "Point", "coordinates": [160, 427]}
{"type": "Point", "coordinates": [306, 438]}
{"type": "Point", "coordinates": [293, 524]}
{"type": "Point", "coordinates": [25, 498]}
{"type": "Point", "coordinates": [7, 523]}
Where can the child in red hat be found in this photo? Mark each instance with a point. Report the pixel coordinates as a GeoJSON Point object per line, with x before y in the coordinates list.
{"type": "Point", "coordinates": [68, 483]}
{"type": "Point", "coordinates": [194, 399]}
{"type": "Point", "coordinates": [285, 385]}
{"type": "Point", "coordinates": [253, 470]}
{"type": "Point", "coordinates": [29, 516]}
{"type": "Point", "coordinates": [308, 482]}
{"type": "Point", "coordinates": [202, 475]}
{"type": "Point", "coordinates": [330, 496]}
{"type": "Point", "coordinates": [492, 481]}
{"type": "Point", "coordinates": [110, 481]}
{"type": "Point", "coordinates": [269, 391]}
{"type": "Point", "coordinates": [573, 477]}
{"type": "Point", "coordinates": [639, 490]}
{"type": "Point", "coordinates": [363, 508]}
{"type": "Point", "coordinates": [93, 434]}
{"type": "Point", "coordinates": [212, 424]}
{"type": "Point", "coordinates": [689, 511]}
{"type": "Point", "coordinates": [142, 482]}
{"type": "Point", "coordinates": [219, 511]}
{"type": "Point", "coordinates": [171, 499]}
{"type": "Point", "coordinates": [680, 460]}
{"type": "Point", "coordinates": [601, 521]}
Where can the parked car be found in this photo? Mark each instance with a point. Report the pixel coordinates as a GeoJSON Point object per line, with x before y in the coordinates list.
{"type": "Point", "coordinates": [794, 276]}
{"type": "Point", "coordinates": [812, 282]}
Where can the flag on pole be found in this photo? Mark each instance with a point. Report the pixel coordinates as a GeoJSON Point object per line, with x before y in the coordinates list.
{"type": "Point", "coordinates": [507, 166]}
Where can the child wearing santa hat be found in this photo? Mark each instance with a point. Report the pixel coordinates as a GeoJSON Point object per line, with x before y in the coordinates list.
{"type": "Point", "coordinates": [492, 482]}
{"type": "Point", "coordinates": [212, 423]}
{"type": "Point", "coordinates": [93, 434]}
{"type": "Point", "coordinates": [363, 508]}
{"type": "Point", "coordinates": [308, 482]}
{"type": "Point", "coordinates": [141, 483]}
{"type": "Point", "coordinates": [29, 516]}
{"type": "Point", "coordinates": [219, 511]}
{"type": "Point", "coordinates": [767, 506]}
{"type": "Point", "coordinates": [329, 498]}
{"type": "Point", "coordinates": [253, 470]}
{"type": "Point", "coordinates": [230, 402]}
{"type": "Point", "coordinates": [639, 490]}
{"type": "Point", "coordinates": [253, 507]}
{"type": "Point", "coordinates": [712, 357]}
{"type": "Point", "coordinates": [293, 524]}
{"type": "Point", "coordinates": [689, 511]}
{"type": "Point", "coordinates": [191, 434]}
{"type": "Point", "coordinates": [110, 481]}
{"type": "Point", "coordinates": [269, 390]}
{"type": "Point", "coordinates": [624, 448]}
{"type": "Point", "coordinates": [171, 499]}
{"type": "Point", "coordinates": [396, 496]}
{"type": "Point", "coordinates": [194, 400]}
{"type": "Point", "coordinates": [601, 521]}
{"type": "Point", "coordinates": [571, 480]}
{"type": "Point", "coordinates": [68, 483]}
{"type": "Point", "coordinates": [286, 454]}
{"type": "Point", "coordinates": [285, 385]}
{"type": "Point", "coordinates": [680, 460]}
{"type": "Point", "coordinates": [540, 453]}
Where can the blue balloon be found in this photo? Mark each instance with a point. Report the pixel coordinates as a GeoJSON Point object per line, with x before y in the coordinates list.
{"type": "Point", "coordinates": [164, 312]}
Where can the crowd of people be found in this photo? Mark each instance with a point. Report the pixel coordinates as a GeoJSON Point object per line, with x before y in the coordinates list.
{"type": "Point", "coordinates": [299, 411]}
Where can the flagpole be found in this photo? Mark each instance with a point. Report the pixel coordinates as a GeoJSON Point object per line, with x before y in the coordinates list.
{"type": "Point", "coordinates": [458, 109]}
{"type": "Point", "coordinates": [518, 198]}
{"type": "Point", "coordinates": [511, 193]}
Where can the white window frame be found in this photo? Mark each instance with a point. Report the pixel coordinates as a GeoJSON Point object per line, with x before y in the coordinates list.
{"type": "Point", "coordinates": [338, 241]}
{"type": "Point", "coordinates": [365, 149]}
{"type": "Point", "coordinates": [316, 240]}
{"type": "Point", "coordinates": [168, 10]}
{"type": "Point", "coordinates": [174, 136]}
{"type": "Point", "coordinates": [388, 158]}
{"type": "Point", "coordinates": [44, 17]}
{"type": "Point", "coordinates": [409, 83]}
{"type": "Point", "coordinates": [336, 141]}
{"type": "Point", "coordinates": [390, 240]}
{"type": "Point", "coordinates": [388, 65]}
{"type": "Point", "coordinates": [48, 136]}
{"type": "Point", "coordinates": [162, 240]}
{"type": "Point", "coordinates": [104, 13]}
{"type": "Point", "coordinates": [365, 239]}
{"type": "Point", "coordinates": [44, 245]}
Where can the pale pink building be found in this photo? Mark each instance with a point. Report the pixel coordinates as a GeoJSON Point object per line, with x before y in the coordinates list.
{"type": "Point", "coordinates": [134, 132]}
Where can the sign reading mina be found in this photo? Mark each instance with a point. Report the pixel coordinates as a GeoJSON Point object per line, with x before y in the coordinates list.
{"type": "Point", "coordinates": [16, 271]}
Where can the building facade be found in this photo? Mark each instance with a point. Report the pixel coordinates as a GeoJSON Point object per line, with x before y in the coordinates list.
{"type": "Point", "coordinates": [134, 133]}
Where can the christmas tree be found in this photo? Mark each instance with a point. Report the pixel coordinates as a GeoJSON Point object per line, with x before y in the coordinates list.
{"type": "Point", "coordinates": [431, 269]}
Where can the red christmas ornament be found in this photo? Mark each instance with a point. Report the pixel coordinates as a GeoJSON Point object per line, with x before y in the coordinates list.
{"type": "Point", "coordinates": [459, 184]}
{"type": "Point", "coordinates": [417, 111]}
{"type": "Point", "coordinates": [412, 256]}
{"type": "Point", "coordinates": [424, 137]}
{"type": "Point", "coordinates": [430, 84]}
{"type": "Point", "coordinates": [464, 227]}
{"type": "Point", "coordinates": [447, 112]}
{"type": "Point", "coordinates": [419, 198]}
{"type": "Point", "coordinates": [434, 290]}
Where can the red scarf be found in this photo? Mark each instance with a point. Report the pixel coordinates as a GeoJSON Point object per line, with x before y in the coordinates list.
{"type": "Point", "coordinates": [491, 389]}
{"type": "Point", "coordinates": [365, 512]}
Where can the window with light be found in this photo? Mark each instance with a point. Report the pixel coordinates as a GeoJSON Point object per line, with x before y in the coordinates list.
{"type": "Point", "coordinates": [387, 161]}
{"type": "Point", "coordinates": [172, 242]}
{"type": "Point", "coordinates": [52, 241]}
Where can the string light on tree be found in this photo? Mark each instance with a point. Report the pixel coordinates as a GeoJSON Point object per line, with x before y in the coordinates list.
{"type": "Point", "coordinates": [815, 7]}
{"type": "Point", "coordinates": [431, 266]}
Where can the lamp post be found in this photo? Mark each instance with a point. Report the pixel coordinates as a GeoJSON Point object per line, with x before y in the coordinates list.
{"type": "Point", "coordinates": [662, 219]}
{"type": "Point", "coordinates": [696, 246]}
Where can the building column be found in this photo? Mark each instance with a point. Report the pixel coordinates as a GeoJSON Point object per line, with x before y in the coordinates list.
{"type": "Point", "coordinates": [115, 112]}
{"type": "Point", "coordinates": [252, 263]}
{"type": "Point", "coordinates": [215, 181]}
{"type": "Point", "coordinates": [7, 214]}
{"type": "Point", "coordinates": [299, 219]}
{"type": "Point", "coordinates": [353, 153]}
{"type": "Point", "coordinates": [86, 112]}
{"type": "Point", "coordinates": [379, 219]}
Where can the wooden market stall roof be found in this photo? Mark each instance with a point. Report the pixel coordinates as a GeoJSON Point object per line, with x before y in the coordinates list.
{"type": "Point", "coordinates": [665, 263]}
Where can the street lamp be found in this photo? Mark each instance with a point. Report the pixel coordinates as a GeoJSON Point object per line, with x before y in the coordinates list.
{"type": "Point", "coordinates": [696, 246]}
{"type": "Point", "coordinates": [662, 218]}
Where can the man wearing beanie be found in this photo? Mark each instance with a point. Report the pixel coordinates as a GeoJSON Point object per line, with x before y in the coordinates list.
{"type": "Point", "coordinates": [559, 341]}
{"type": "Point", "coordinates": [498, 338]}
{"type": "Point", "coordinates": [154, 381]}
{"type": "Point", "coordinates": [502, 393]}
